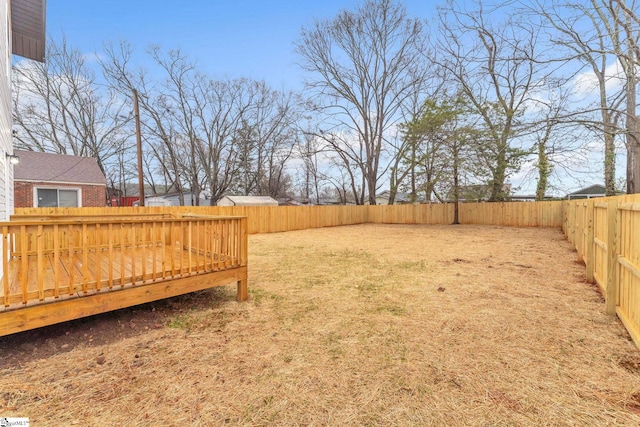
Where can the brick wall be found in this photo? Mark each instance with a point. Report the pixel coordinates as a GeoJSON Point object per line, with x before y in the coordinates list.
{"type": "Point", "coordinates": [92, 195]}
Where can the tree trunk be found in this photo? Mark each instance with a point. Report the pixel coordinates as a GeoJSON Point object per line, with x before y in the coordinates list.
{"type": "Point", "coordinates": [633, 168]}
{"type": "Point", "coordinates": [609, 160]}
{"type": "Point", "coordinates": [632, 136]}
{"type": "Point", "coordinates": [497, 183]}
{"type": "Point", "coordinates": [544, 170]}
{"type": "Point", "coordinates": [456, 184]}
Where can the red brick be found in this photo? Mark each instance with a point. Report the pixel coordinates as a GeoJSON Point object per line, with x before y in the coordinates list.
{"type": "Point", "coordinates": [92, 195]}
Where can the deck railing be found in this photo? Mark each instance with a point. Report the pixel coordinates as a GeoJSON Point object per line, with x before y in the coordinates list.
{"type": "Point", "coordinates": [62, 257]}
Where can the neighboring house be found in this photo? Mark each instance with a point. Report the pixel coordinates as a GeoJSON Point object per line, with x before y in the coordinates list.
{"type": "Point", "coordinates": [292, 201]}
{"type": "Point", "coordinates": [331, 201]}
{"type": "Point", "coordinates": [522, 198]}
{"type": "Point", "coordinates": [596, 190]}
{"type": "Point", "coordinates": [57, 180]}
{"type": "Point", "coordinates": [528, 198]}
{"type": "Point", "coordinates": [247, 201]}
{"type": "Point", "coordinates": [400, 199]}
{"type": "Point", "coordinates": [22, 32]}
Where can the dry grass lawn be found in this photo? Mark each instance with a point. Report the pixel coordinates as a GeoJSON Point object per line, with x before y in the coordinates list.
{"type": "Point", "coordinates": [360, 325]}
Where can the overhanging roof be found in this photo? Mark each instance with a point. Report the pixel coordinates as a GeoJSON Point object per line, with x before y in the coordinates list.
{"type": "Point", "coordinates": [28, 28]}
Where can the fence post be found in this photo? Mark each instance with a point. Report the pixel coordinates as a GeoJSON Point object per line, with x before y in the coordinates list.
{"type": "Point", "coordinates": [590, 263]}
{"type": "Point", "coordinates": [579, 233]}
{"type": "Point", "coordinates": [571, 221]}
{"type": "Point", "coordinates": [612, 257]}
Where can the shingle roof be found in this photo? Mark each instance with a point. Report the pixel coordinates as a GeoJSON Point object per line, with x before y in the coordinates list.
{"type": "Point", "coordinates": [592, 189]}
{"type": "Point", "coordinates": [48, 167]}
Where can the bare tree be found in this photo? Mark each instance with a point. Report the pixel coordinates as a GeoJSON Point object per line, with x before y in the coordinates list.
{"type": "Point", "coordinates": [364, 66]}
{"type": "Point", "coordinates": [157, 121]}
{"type": "Point", "coordinates": [220, 110]}
{"type": "Point", "coordinates": [579, 29]}
{"type": "Point", "coordinates": [275, 116]}
{"type": "Point", "coordinates": [494, 66]}
{"type": "Point", "coordinates": [266, 140]}
{"type": "Point", "coordinates": [177, 98]}
{"type": "Point", "coordinates": [309, 152]}
{"type": "Point", "coordinates": [552, 134]}
{"type": "Point", "coordinates": [59, 107]}
{"type": "Point", "coordinates": [208, 135]}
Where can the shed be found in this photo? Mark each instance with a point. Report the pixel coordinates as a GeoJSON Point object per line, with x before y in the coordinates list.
{"type": "Point", "coordinates": [247, 201]}
{"type": "Point", "coordinates": [58, 180]}
{"type": "Point", "coordinates": [189, 199]}
{"type": "Point", "coordinates": [154, 201]}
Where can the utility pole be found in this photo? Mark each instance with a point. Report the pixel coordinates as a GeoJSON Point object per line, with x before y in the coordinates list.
{"type": "Point", "coordinates": [136, 112]}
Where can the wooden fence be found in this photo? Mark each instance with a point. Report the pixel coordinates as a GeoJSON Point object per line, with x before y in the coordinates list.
{"type": "Point", "coordinates": [515, 214]}
{"type": "Point", "coordinates": [261, 219]}
{"type": "Point", "coordinates": [269, 219]}
{"type": "Point", "coordinates": [606, 235]}
{"type": "Point", "coordinates": [604, 231]}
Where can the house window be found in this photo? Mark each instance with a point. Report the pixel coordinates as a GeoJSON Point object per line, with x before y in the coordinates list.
{"type": "Point", "coordinates": [57, 198]}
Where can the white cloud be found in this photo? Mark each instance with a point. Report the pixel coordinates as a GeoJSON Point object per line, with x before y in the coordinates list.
{"type": "Point", "coordinates": [586, 84]}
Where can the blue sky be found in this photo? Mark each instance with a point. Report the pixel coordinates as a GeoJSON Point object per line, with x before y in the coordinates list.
{"type": "Point", "coordinates": [228, 38]}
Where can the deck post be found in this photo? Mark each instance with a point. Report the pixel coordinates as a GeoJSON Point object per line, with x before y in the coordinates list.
{"type": "Point", "coordinates": [243, 237]}
{"type": "Point", "coordinates": [243, 291]}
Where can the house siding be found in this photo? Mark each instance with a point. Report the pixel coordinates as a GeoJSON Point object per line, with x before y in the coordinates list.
{"type": "Point", "coordinates": [6, 173]}
{"type": "Point", "coordinates": [6, 170]}
{"type": "Point", "coordinates": [92, 195]}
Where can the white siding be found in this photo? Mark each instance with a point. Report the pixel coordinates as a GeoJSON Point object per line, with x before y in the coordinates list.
{"type": "Point", "coordinates": [6, 175]}
{"type": "Point", "coordinates": [6, 170]}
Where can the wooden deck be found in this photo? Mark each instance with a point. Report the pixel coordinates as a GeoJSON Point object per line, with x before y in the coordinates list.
{"type": "Point", "coordinates": [62, 270]}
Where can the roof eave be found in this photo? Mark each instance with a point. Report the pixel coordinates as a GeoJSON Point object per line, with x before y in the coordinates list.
{"type": "Point", "coordinates": [28, 28]}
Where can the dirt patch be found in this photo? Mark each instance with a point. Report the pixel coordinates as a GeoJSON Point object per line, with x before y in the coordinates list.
{"type": "Point", "coordinates": [102, 329]}
{"type": "Point", "coordinates": [361, 325]}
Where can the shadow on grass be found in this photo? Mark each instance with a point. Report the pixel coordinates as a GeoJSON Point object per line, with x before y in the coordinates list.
{"type": "Point", "coordinates": [107, 328]}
